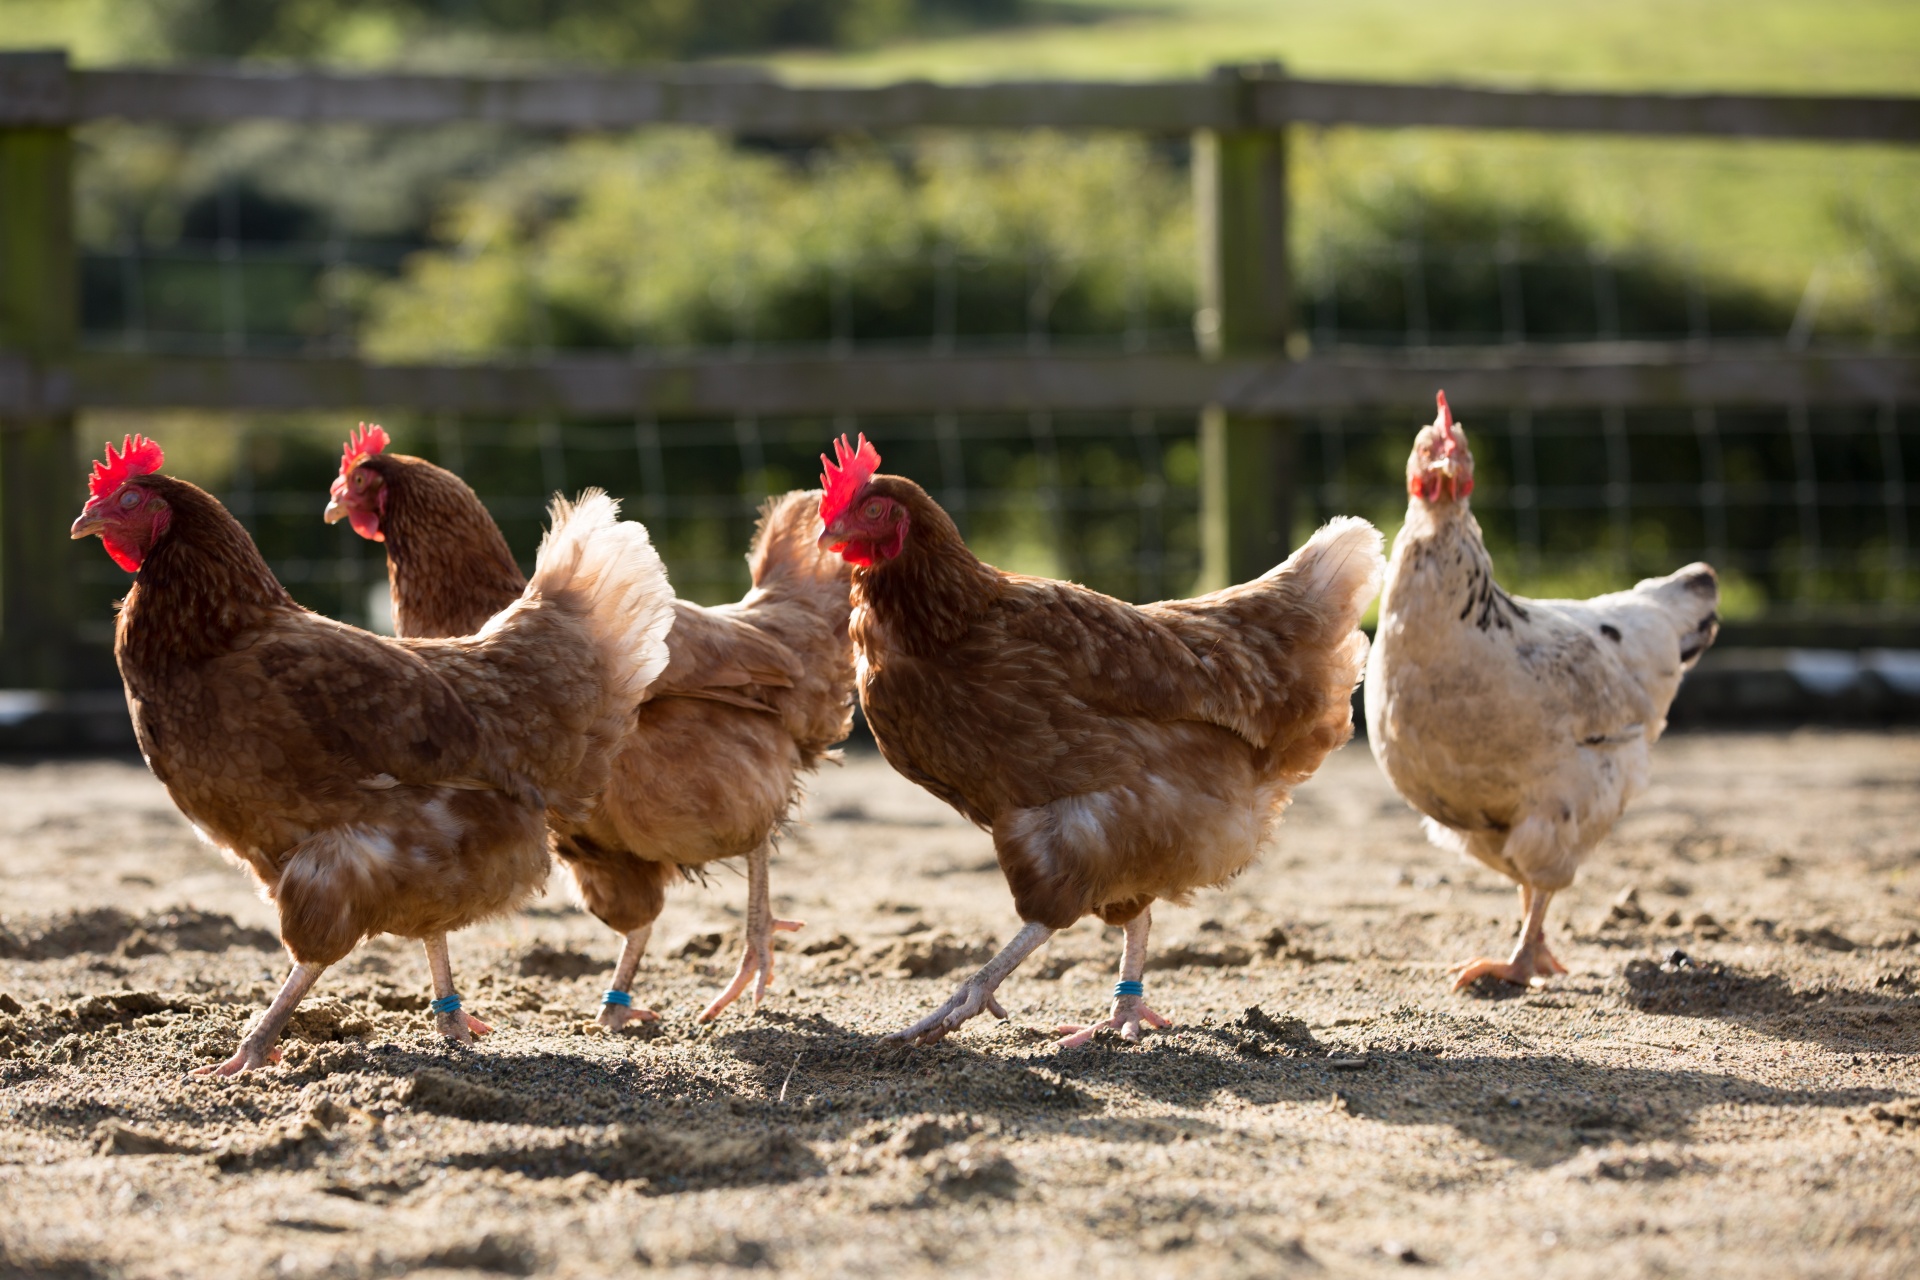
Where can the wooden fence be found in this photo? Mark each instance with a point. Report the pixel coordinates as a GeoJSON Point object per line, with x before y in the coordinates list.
{"type": "Point", "coordinates": [1242, 381]}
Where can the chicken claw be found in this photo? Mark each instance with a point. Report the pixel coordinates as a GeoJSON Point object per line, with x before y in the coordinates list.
{"type": "Point", "coordinates": [1532, 962]}
{"type": "Point", "coordinates": [616, 1016]}
{"type": "Point", "coordinates": [757, 958]}
{"type": "Point", "coordinates": [449, 1019]}
{"type": "Point", "coordinates": [617, 1008]}
{"type": "Point", "coordinates": [1526, 969]}
{"type": "Point", "coordinates": [460, 1026]}
{"type": "Point", "coordinates": [248, 1057]}
{"type": "Point", "coordinates": [1129, 994]}
{"type": "Point", "coordinates": [1130, 1013]}
{"type": "Point", "coordinates": [972, 997]}
{"type": "Point", "coordinates": [976, 993]}
{"type": "Point", "coordinates": [258, 1046]}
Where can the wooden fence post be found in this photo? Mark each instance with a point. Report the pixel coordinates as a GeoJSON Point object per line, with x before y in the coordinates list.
{"type": "Point", "coordinates": [40, 490]}
{"type": "Point", "coordinates": [1240, 201]}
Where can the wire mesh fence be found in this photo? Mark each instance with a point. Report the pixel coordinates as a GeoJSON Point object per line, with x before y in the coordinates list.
{"type": "Point", "coordinates": [1108, 500]}
{"type": "Point", "coordinates": [1806, 510]}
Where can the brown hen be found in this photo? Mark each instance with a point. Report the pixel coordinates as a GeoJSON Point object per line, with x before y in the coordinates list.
{"type": "Point", "coordinates": [754, 695]}
{"type": "Point", "coordinates": [1118, 754]}
{"type": "Point", "coordinates": [372, 785]}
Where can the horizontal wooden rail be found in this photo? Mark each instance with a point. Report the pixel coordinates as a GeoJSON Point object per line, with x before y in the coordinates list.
{"type": "Point", "coordinates": [713, 385]}
{"type": "Point", "coordinates": [1732, 115]}
{"type": "Point", "coordinates": [40, 89]}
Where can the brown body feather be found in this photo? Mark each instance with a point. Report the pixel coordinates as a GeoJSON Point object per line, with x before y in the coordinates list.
{"type": "Point", "coordinates": [754, 693]}
{"type": "Point", "coordinates": [371, 785]}
{"type": "Point", "coordinates": [1118, 754]}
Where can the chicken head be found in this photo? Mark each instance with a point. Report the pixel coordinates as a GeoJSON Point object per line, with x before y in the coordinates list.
{"type": "Point", "coordinates": [1440, 469]}
{"type": "Point", "coordinates": [859, 522]}
{"type": "Point", "coordinates": [359, 493]}
{"type": "Point", "coordinates": [127, 516]}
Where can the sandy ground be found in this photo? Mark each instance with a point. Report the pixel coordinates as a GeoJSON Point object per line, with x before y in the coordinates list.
{"type": "Point", "coordinates": [1727, 1083]}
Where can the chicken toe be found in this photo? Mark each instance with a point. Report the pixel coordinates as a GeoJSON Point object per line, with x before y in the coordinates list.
{"type": "Point", "coordinates": [617, 1008]}
{"type": "Point", "coordinates": [1531, 964]}
{"type": "Point", "coordinates": [258, 1046]}
{"type": "Point", "coordinates": [449, 1019]}
{"type": "Point", "coordinates": [976, 994]}
{"type": "Point", "coordinates": [757, 956]}
{"type": "Point", "coordinates": [1130, 1011]}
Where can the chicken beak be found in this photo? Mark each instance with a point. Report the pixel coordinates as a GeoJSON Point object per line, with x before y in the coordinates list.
{"type": "Point", "coordinates": [89, 524]}
{"type": "Point", "coordinates": [336, 511]}
{"type": "Point", "coordinates": [832, 537]}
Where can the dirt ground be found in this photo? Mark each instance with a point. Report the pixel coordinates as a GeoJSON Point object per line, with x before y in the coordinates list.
{"type": "Point", "coordinates": [1727, 1083]}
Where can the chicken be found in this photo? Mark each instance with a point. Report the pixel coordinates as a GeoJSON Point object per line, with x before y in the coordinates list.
{"type": "Point", "coordinates": [372, 785]}
{"type": "Point", "coordinates": [753, 696]}
{"type": "Point", "coordinates": [1519, 728]}
{"type": "Point", "coordinates": [1117, 754]}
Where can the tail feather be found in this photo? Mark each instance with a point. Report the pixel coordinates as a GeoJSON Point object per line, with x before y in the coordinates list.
{"type": "Point", "coordinates": [786, 545]}
{"type": "Point", "coordinates": [611, 567]}
{"type": "Point", "coordinates": [1690, 598]}
{"type": "Point", "coordinates": [1285, 650]}
{"type": "Point", "coordinates": [1342, 565]}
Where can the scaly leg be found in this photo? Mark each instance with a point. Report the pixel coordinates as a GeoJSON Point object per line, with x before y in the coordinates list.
{"type": "Point", "coordinates": [1532, 963]}
{"type": "Point", "coordinates": [976, 993]}
{"type": "Point", "coordinates": [448, 1018]}
{"type": "Point", "coordinates": [257, 1045]}
{"type": "Point", "coordinates": [619, 1009]}
{"type": "Point", "coordinates": [1129, 1009]}
{"type": "Point", "coordinates": [761, 926]}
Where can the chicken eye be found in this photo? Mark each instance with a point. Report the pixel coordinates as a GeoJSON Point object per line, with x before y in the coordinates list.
{"type": "Point", "coordinates": [130, 499]}
{"type": "Point", "coordinates": [873, 511]}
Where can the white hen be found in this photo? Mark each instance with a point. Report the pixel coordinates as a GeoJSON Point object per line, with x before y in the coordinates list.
{"type": "Point", "coordinates": [1520, 728]}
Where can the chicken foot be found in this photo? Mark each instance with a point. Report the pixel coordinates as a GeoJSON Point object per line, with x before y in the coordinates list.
{"type": "Point", "coordinates": [1129, 1011]}
{"type": "Point", "coordinates": [1532, 962]}
{"type": "Point", "coordinates": [258, 1045]}
{"type": "Point", "coordinates": [757, 958]}
{"type": "Point", "coordinates": [450, 1020]}
{"type": "Point", "coordinates": [615, 1014]}
{"type": "Point", "coordinates": [976, 993]}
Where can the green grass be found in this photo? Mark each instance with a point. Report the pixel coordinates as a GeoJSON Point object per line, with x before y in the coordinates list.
{"type": "Point", "coordinates": [1770, 214]}
{"type": "Point", "coordinates": [1784, 45]}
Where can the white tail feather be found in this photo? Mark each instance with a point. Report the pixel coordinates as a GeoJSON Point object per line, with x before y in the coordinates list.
{"type": "Point", "coordinates": [1344, 562]}
{"type": "Point", "coordinates": [589, 550]}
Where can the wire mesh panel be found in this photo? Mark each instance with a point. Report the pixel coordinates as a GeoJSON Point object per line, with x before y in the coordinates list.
{"type": "Point", "coordinates": [1109, 500]}
{"type": "Point", "coordinates": [509, 247]}
{"type": "Point", "coordinates": [1804, 511]}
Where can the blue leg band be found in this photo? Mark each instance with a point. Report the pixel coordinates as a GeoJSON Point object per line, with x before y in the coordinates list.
{"type": "Point", "coordinates": [620, 998]}
{"type": "Point", "coordinates": [446, 1004]}
{"type": "Point", "coordinates": [1129, 988]}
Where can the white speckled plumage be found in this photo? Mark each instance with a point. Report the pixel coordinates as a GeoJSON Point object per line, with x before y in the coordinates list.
{"type": "Point", "coordinates": [1519, 728]}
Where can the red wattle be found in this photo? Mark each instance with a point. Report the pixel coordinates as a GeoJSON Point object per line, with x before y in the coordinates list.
{"type": "Point", "coordinates": [367, 525]}
{"type": "Point", "coordinates": [125, 554]}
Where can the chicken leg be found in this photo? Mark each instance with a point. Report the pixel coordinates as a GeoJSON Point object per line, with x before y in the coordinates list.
{"type": "Point", "coordinates": [1129, 1010]}
{"type": "Point", "coordinates": [616, 1013]}
{"type": "Point", "coordinates": [757, 958]}
{"type": "Point", "coordinates": [257, 1046]}
{"type": "Point", "coordinates": [976, 993]}
{"type": "Point", "coordinates": [1532, 963]}
{"type": "Point", "coordinates": [448, 1017]}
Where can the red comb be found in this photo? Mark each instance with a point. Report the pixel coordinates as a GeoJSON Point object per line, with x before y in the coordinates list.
{"type": "Point", "coordinates": [1446, 413]}
{"type": "Point", "coordinates": [843, 482]}
{"type": "Point", "coordinates": [138, 456]}
{"type": "Point", "coordinates": [364, 443]}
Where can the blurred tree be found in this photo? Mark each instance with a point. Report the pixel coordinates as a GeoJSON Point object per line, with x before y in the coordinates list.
{"type": "Point", "coordinates": [597, 30]}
